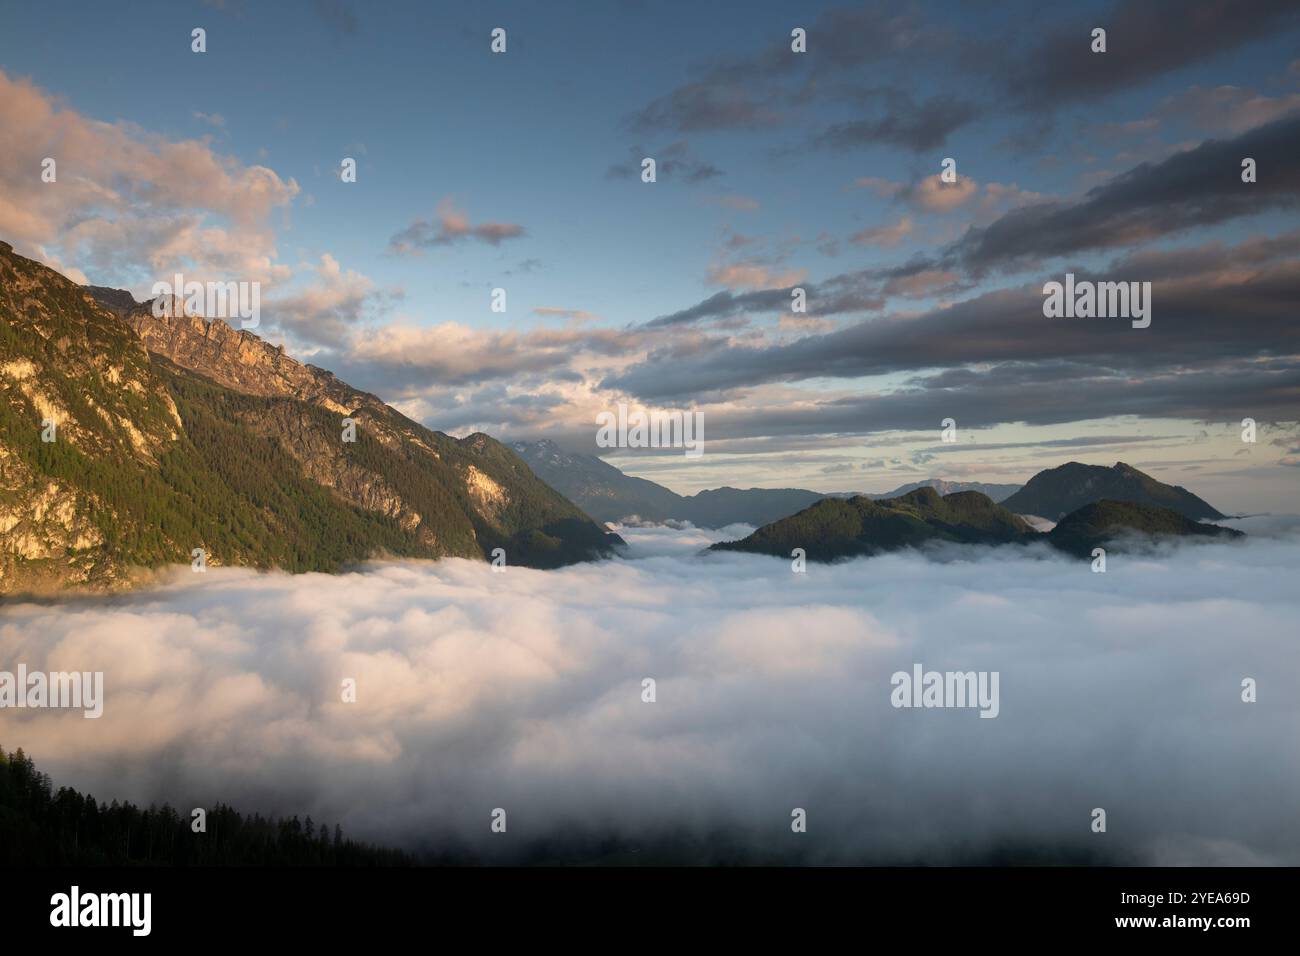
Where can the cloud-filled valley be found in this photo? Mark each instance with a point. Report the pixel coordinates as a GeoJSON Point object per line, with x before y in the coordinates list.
{"type": "Point", "coordinates": [523, 690]}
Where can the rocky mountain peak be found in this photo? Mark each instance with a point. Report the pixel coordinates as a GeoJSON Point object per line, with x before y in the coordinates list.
{"type": "Point", "coordinates": [237, 358]}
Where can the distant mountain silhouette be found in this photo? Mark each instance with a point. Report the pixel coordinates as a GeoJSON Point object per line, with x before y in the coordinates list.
{"type": "Point", "coordinates": [860, 526]}
{"type": "Point", "coordinates": [607, 494]}
{"type": "Point", "coordinates": [1056, 492]}
{"type": "Point", "coordinates": [998, 493]}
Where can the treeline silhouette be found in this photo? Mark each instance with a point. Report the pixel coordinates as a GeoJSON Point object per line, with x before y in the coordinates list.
{"type": "Point", "coordinates": [41, 826]}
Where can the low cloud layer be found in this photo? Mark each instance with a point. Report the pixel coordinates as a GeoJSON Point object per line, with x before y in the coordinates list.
{"type": "Point", "coordinates": [522, 690]}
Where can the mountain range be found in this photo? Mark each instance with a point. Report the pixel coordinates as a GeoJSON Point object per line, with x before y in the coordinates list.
{"type": "Point", "coordinates": [607, 494]}
{"type": "Point", "coordinates": [944, 487]}
{"type": "Point", "coordinates": [834, 528]}
{"type": "Point", "coordinates": [129, 441]}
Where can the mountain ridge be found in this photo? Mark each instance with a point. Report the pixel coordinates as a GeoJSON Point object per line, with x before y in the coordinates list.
{"type": "Point", "coordinates": [997, 492]}
{"type": "Point", "coordinates": [836, 528]}
{"type": "Point", "coordinates": [608, 494]}
{"type": "Point", "coordinates": [1055, 492]}
{"type": "Point", "coordinates": [832, 529]}
{"type": "Point", "coordinates": [214, 439]}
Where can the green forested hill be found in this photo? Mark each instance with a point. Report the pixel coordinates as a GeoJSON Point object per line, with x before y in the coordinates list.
{"type": "Point", "coordinates": [837, 528]}
{"type": "Point", "coordinates": [1102, 522]}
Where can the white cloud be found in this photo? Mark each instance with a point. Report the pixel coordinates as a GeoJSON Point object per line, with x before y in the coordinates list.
{"type": "Point", "coordinates": [129, 207]}
{"type": "Point", "coordinates": [328, 309]}
{"type": "Point", "coordinates": [127, 200]}
{"type": "Point", "coordinates": [522, 690]}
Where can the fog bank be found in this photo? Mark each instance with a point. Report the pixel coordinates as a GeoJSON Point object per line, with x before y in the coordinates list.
{"type": "Point", "coordinates": [522, 690]}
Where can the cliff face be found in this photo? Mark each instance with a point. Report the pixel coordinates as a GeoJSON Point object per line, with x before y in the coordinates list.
{"type": "Point", "coordinates": [75, 388]}
{"type": "Point", "coordinates": [176, 433]}
{"type": "Point", "coordinates": [237, 359]}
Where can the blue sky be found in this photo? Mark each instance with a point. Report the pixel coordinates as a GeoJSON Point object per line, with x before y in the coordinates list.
{"type": "Point", "coordinates": [782, 169]}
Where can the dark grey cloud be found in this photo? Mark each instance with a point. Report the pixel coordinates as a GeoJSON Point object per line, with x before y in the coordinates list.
{"type": "Point", "coordinates": [1196, 319]}
{"type": "Point", "coordinates": [1191, 261]}
{"type": "Point", "coordinates": [707, 106]}
{"type": "Point", "coordinates": [1047, 64]}
{"type": "Point", "coordinates": [902, 122]}
{"type": "Point", "coordinates": [864, 290]}
{"type": "Point", "coordinates": [1223, 394]}
{"type": "Point", "coordinates": [764, 89]}
{"type": "Point", "coordinates": [723, 304]}
{"type": "Point", "coordinates": [672, 162]}
{"type": "Point", "coordinates": [449, 228]}
{"type": "Point", "coordinates": [1199, 187]}
{"type": "Point", "coordinates": [423, 234]}
{"type": "Point", "coordinates": [1145, 39]}
{"type": "Point", "coordinates": [1077, 441]}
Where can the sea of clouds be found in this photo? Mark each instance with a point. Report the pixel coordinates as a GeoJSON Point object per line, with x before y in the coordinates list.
{"type": "Point", "coordinates": [522, 690]}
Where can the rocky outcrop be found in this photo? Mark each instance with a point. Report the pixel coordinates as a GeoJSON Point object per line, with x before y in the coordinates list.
{"type": "Point", "coordinates": [238, 359]}
{"type": "Point", "coordinates": [78, 397]}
